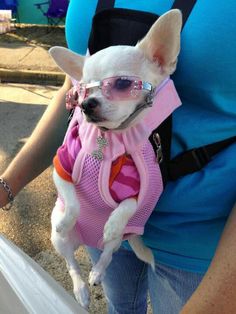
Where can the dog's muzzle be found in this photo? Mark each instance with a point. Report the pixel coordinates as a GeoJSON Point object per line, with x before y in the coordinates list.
{"type": "Point", "coordinates": [90, 107]}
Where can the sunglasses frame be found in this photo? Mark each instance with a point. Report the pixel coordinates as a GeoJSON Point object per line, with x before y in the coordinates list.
{"type": "Point", "coordinates": [139, 85]}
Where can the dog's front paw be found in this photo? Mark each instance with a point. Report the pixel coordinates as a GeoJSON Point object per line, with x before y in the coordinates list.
{"type": "Point", "coordinates": [95, 277]}
{"type": "Point", "coordinates": [112, 230]}
{"type": "Point", "coordinates": [82, 296]}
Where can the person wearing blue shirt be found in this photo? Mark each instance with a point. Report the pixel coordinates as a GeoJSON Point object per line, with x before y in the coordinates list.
{"type": "Point", "coordinates": [194, 250]}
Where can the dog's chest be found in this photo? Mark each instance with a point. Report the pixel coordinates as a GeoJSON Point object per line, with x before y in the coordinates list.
{"type": "Point", "coordinates": [93, 167]}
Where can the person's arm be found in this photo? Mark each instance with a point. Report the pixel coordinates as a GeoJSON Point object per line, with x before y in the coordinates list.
{"type": "Point", "coordinates": [37, 154]}
{"type": "Point", "coordinates": [216, 293]}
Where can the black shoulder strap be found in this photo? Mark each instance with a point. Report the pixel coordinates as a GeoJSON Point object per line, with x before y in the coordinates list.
{"type": "Point", "coordinates": [195, 159]}
{"type": "Point", "coordinates": [185, 6]}
{"type": "Point", "coordinates": [104, 4]}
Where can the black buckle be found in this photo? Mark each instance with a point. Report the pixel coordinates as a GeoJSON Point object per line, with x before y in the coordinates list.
{"type": "Point", "coordinates": [200, 156]}
{"type": "Point", "coordinates": [158, 148]}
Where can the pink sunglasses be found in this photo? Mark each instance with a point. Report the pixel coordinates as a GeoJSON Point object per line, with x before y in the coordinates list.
{"type": "Point", "coordinates": [115, 88]}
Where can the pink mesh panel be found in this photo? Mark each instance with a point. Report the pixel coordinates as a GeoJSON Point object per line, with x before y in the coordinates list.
{"type": "Point", "coordinates": [94, 211]}
{"type": "Point", "coordinates": [155, 188]}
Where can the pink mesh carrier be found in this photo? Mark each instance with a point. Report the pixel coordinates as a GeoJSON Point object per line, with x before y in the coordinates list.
{"type": "Point", "coordinates": [91, 175]}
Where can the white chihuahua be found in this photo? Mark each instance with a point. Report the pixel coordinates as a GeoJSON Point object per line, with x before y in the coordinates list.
{"type": "Point", "coordinates": [106, 172]}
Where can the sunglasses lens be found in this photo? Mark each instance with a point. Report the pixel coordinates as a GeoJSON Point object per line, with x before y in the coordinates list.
{"type": "Point", "coordinates": [121, 88]}
{"type": "Point", "coordinates": [122, 85]}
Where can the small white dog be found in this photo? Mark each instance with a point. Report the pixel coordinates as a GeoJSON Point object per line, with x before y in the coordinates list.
{"type": "Point", "coordinates": [123, 93]}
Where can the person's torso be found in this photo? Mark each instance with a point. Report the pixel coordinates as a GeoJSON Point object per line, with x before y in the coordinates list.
{"type": "Point", "coordinates": [185, 228]}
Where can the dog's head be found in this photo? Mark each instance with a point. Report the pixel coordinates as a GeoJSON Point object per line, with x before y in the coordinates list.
{"type": "Point", "coordinates": [116, 82]}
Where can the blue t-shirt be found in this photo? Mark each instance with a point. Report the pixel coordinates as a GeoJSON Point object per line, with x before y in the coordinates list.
{"type": "Point", "coordinates": [186, 225]}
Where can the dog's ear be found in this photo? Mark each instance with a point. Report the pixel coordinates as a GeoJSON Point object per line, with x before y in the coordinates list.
{"type": "Point", "coordinates": [71, 63]}
{"type": "Point", "coordinates": [162, 42]}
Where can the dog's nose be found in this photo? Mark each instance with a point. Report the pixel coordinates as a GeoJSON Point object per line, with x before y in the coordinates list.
{"type": "Point", "coordinates": [89, 105]}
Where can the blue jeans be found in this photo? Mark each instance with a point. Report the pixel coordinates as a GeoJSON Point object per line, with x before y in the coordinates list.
{"type": "Point", "coordinates": [128, 281]}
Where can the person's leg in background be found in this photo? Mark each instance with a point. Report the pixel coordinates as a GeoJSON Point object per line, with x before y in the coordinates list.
{"type": "Point", "coordinates": [170, 288]}
{"type": "Point", "coordinates": [125, 283]}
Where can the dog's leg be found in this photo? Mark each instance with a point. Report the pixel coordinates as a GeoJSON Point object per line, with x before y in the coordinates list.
{"type": "Point", "coordinates": [65, 246]}
{"type": "Point", "coordinates": [98, 271]}
{"type": "Point", "coordinates": [112, 237]}
{"type": "Point", "coordinates": [118, 219]}
{"type": "Point", "coordinates": [71, 212]}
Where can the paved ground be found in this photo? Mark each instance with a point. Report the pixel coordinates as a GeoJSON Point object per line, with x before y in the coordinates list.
{"type": "Point", "coordinates": [24, 55]}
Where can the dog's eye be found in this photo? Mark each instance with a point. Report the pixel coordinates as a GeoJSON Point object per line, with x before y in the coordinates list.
{"type": "Point", "coordinates": [121, 84]}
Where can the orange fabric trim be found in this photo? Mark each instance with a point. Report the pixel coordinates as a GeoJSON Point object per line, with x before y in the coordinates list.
{"type": "Point", "coordinates": [60, 170]}
{"type": "Point", "coordinates": [116, 168]}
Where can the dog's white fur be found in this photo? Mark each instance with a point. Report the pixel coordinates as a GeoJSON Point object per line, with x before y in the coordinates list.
{"type": "Point", "coordinates": [153, 59]}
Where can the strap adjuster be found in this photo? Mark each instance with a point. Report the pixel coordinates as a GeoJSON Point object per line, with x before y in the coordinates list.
{"type": "Point", "coordinates": [200, 156]}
